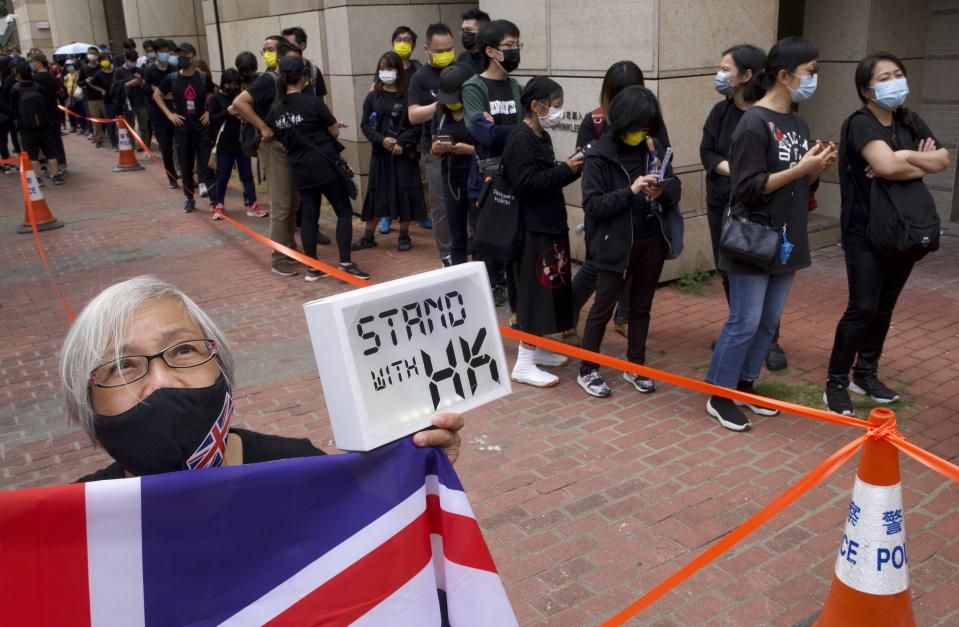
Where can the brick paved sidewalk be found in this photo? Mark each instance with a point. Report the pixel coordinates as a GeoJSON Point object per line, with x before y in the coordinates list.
{"type": "Point", "coordinates": [586, 503]}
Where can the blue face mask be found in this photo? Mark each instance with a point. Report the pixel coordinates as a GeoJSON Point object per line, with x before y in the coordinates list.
{"type": "Point", "coordinates": [163, 57]}
{"type": "Point", "coordinates": [151, 55]}
{"type": "Point", "coordinates": [807, 87]}
{"type": "Point", "coordinates": [892, 94]}
{"type": "Point", "coordinates": [173, 59]}
{"type": "Point", "coordinates": [723, 83]}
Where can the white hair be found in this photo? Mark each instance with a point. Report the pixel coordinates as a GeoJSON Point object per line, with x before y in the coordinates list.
{"type": "Point", "coordinates": [101, 327]}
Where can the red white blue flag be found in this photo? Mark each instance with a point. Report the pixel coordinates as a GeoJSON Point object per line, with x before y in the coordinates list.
{"type": "Point", "coordinates": [380, 538]}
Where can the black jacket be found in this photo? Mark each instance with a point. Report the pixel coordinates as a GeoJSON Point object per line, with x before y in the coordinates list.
{"type": "Point", "coordinates": [537, 179]}
{"type": "Point", "coordinates": [608, 203]}
{"type": "Point", "coordinates": [714, 148]}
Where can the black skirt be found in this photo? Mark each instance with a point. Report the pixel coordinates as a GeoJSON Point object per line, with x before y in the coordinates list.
{"type": "Point", "coordinates": [544, 299]}
{"type": "Point", "coordinates": [394, 189]}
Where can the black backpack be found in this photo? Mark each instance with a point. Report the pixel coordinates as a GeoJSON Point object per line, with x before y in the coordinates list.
{"type": "Point", "coordinates": [32, 110]}
{"type": "Point", "coordinates": [903, 220]}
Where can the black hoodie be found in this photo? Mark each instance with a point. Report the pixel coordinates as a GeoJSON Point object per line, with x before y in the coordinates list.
{"type": "Point", "coordinates": [611, 207]}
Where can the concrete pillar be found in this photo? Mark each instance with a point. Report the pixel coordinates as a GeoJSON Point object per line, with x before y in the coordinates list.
{"type": "Point", "coordinates": [33, 25]}
{"type": "Point", "coordinates": [677, 44]}
{"type": "Point", "coordinates": [77, 21]}
{"type": "Point", "coordinates": [845, 32]}
{"type": "Point", "coordinates": [178, 20]}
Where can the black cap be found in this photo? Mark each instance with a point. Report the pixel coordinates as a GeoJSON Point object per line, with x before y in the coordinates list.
{"type": "Point", "coordinates": [187, 47]}
{"type": "Point", "coordinates": [451, 81]}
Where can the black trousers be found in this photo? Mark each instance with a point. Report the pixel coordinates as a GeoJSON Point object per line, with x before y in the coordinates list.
{"type": "Point", "coordinates": [584, 284]}
{"type": "Point", "coordinates": [646, 261]}
{"type": "Point", "coordinates": [164, 135]}
{"type": "Point", "coordinates": [714, 216]}
{"type": "Point", "coordinates": [458, 217]}
{"type": "Point", "coordinates": [875, 283]}
{"type": "Point", "coordinates": [310, 198]}
{"type": "Point", "coordinates": [9, 129]}
{"type": "Point", "coordinates": [194, 147]}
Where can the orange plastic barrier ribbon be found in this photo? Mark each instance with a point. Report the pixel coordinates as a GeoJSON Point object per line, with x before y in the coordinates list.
{"type": "Point", "coordinates": [38, 243]}
{"type": "Point", "coordinates": [82, 117]}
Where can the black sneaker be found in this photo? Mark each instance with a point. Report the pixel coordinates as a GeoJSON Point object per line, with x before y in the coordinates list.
{"type": "Point", "coordinates": [363, 242]}
{"type": "Point", "coordinates": [321, 239]}
{"type": "Point", "coordinates": [593, 383]}
{"type": "Point", "coordinates": [171, 184]}
{"type": "Point", "coordinates": [284, 269]}
{"type": "Point", "coordinates": [189, 206]}
{"type": "Point", "coordinates": [836, 398]}
{"type": "Point", "coordinates": [726, 412]}
{"type": "Point", "coordinates": [500, 296]}
{"type": "Point", "coordinates": [58, 179]}
{"type": "Point", "coordinates": [747, 386]}
{"type": "Point", "coordinates": [642, 384]}
{"type": "Point", "coordinates": [355, 271]}
{"type": "Point", "coordinates": [314, 275]}
{"type": "Point", "coordinates": [405, 244]}
{"type": "Point", "coordinates": [776, 358]}
{"type": "Point", "coordinates": [871, 386]}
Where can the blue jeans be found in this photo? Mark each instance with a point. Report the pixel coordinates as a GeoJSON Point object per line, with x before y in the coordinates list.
{"type": "Point", "coordinates": [224, 168]}
{"type": "Point", "coordinates": [756, 303]}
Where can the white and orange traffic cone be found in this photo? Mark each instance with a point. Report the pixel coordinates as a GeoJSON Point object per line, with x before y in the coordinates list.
{"type": "Point", "coordinates": [41, 212]}
{"type": "Point", "coordinates": [127, 158]}
{"type": "Point", "coordinates": [871, 581]}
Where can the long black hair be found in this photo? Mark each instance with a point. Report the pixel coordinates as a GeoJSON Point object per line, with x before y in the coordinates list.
{"type": "Point", "coordinates": [290, 71]}
{"type": "Point", "coordinates": [619, 76]}
{"type": "Point", "coordinates": [864, 72]}
{"type": "Point", "coordinates": [788, 54]}
{"type": "Point", "coordinates": [635, 108]}
{"type": "Point", "coordinates": [749, 57]}
{"type": "Point", "coordinates": [394, 62]}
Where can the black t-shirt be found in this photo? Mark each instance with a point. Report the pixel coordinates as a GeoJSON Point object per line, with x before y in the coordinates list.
{"type": "Point", "coordinates": [103, 80]}
{"type": "Point", "coordinates": [423, 90]}
{"type": "Point", "coordinates": [473, 60]}
{"type": "Point", "coordinates": [300, 123]}
{"type": "Point", "coordinates": [263, 92]}
{"type": "Point", "coordinates": [863, 128]}
{"type": "Point", "coordinates": [136, 94]}
{"type": "Point", "coordinates": [257, 447]}
{"type": "Point", "coordinates": [317, 86]}
{"type": "Point", "coordinates": [456, 168]}
{"type": "Point", "coordinates": [85, 72]}
{"type": "Point", "coordinates": [190, 97]}
{"type": "Point", "coordinates": [502, 104]}
{"type": "Point", "coordinates": [714, 149]}
{"type": "Point", "coordinates": [153, 74]}
{"type": "Point", "coordinates": [766, 142]}
{"type": "Point", "coordinates": [47, 84]}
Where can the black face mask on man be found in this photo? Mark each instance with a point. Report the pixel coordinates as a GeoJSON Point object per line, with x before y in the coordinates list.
{"type": "Point", "coordinates": [468, 39]}
{"type": "Point", "coordinates": [172, 429]}
{"type": "Point", "coordinates": [510, 60]}
{"type": "Point", "coordinates": [184, 62]}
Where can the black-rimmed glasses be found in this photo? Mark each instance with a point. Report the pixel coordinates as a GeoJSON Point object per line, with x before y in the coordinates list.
{"type": "Point", "coordinates": [130, 368]}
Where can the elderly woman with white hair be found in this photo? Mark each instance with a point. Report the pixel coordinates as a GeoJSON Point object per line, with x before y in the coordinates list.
{"type": "Point", "coordinates": [150, 378]}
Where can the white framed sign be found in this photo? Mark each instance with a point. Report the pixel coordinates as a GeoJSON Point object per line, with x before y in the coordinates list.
{"type": "Point", "coordinates": [392, 355]}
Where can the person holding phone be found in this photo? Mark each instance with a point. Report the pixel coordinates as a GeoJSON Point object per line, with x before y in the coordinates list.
{"type": "Point", "coordinates": [633, 224]}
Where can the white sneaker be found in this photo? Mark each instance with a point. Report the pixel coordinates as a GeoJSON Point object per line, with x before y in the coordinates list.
{"type": "Point", "coordinates": [525, 371]}
{"type": "Point", "coordinates": [543, 357]}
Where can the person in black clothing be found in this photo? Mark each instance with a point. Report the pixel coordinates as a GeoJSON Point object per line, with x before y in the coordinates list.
{"type": "Point", "coordinates": [101, 83]}
{"type": "Point", "coordinates": [393, 188]}
{"type": "Point", "coordinates": [451, 142]}
{"type": "Point", "coordinates": [774, 165]}
{"type": "Point", "coordinates": [29, 104]}
{"type": "Point", "coordinates": [308, 132]}
{"type": "Point", "coordinates": [92, 99]}
{"type": "Point", "coordinates": [885, 140]}
{"type": "Point", "coordinates": [317, 85]}
{"type": "Point", "coordinates": [152, 405]}
{"type": "Point", "coordinates": [473, 22]}
{"type": "Point", "coordinates": [619, 76]}
{"type": "Point", "coordinates": [7, 117]}
{"type": "Point", "coordinates": [153, 76]}
{"type": "Point", "coordinates": [48, 85]}
{"type": "Point", "coordinates": [633, 225]}
{"type": "Point", "coordinates": [404, 43]}
{"type": "Point", "coordinates": [225, 129]}
{"type": "Point", "coordinates": [544, 298]}
{"type": "Point", "coordinates": [191, 91]}
{"type": "Point", "coordinates": [131, 97]}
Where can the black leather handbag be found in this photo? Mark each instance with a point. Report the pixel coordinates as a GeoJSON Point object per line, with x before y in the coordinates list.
{"type": "Point", "coordinates": [749, 237]}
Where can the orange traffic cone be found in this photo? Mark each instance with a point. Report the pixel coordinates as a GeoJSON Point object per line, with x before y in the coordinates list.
{"type": "Point", "coordinates": [41, 212]}
{"type": "Point", "coordinates": [871, 581]}
{"type": "Point", "coordinates": [128, 159]}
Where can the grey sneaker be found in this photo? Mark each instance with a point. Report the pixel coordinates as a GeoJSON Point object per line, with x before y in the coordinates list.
{"type": "Point", "coordinates": [284, 269]}
{"type": "Point", "coordinates": [643, 385]}
{"type": "Point", "coordinates": [593, 383]}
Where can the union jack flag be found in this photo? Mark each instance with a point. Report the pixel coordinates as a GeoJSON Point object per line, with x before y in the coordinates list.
{"type": "Point", "coordinates": [211, 451]}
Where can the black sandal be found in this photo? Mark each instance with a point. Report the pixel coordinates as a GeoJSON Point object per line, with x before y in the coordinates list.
{"type": "Point", "coordinates": [363, 242]}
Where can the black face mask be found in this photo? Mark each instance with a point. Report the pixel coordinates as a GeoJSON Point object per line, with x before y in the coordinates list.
{"type": "Point", "coordinates": [232, 93]}
{"type": "Point", "coordinates": [183, 62]}
{"type": "Point", "coordinates": [510, 60]}
{"type": "Point", "coordinates": [468, 39]}
{"type": "Point", "coordinates": [172, 429]}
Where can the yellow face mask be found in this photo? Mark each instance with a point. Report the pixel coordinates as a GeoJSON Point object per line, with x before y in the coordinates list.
{"type": "Point", "coordinates": [269, 57]}
{"type": "Point", "coordinates": [403, 48]}
{"type": "Point", "coordinates": [456, 106]}
{"type": "Point", "coordinates": [442, 59]}
{"type": "Point", "coordinates": [635, 138]}
{"type": "Point", "coordinates": [105, 64]}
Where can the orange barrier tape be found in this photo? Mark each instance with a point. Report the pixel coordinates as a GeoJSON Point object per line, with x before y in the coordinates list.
{"type": "Point", "coordinates": [809, 481]}
{"type": "Point", "coordinates": [10, 161]}
{"type": "Point", "coordinates": [83, 117]}
{"type": "Point", "coordinates": [36, 239]}
{"type": "Point", "coordinates": [925, 458]}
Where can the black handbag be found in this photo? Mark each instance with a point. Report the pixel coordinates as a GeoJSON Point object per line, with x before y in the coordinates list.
{"type": "Point", "coordinates": [499, 229]}
{"type": "Point", "coordinates": [749, 237]}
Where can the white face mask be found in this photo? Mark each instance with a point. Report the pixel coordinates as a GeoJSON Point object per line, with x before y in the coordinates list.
{"type": "Point", "coordinates": [553, 118]}
{"type": "Point", "coordinates": [387, 77]}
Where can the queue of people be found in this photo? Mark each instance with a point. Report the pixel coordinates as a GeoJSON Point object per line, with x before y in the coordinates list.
{"type": "Point", "coordinates": [450, 133]}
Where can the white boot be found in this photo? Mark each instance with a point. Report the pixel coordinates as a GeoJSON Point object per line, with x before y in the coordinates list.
{"type": "Point", "coordinates": [543, 357]}
{"type": "Point", "coordinates": [525, 371]}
